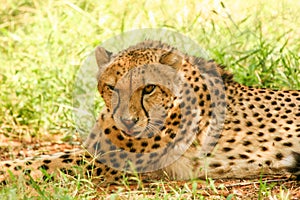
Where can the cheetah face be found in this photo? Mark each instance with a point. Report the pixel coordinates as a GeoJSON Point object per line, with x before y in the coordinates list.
{"type": "Point", "coordinates": [141, 99]}
{"type": "Point", "coordinates": [139, 93]}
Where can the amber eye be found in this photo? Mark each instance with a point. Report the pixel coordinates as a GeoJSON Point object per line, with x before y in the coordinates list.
{"type": "Point", "coordinates": [148, 89]}
{"type": "Point", "coordinates": [110, 87]}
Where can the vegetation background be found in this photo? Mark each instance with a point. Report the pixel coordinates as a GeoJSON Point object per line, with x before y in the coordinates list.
{"type": "Point", "coordinates": [44, 42]}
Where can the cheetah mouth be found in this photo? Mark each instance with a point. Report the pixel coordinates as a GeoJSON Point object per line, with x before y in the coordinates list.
{"type": "Point", "coordinates": [131, 133]}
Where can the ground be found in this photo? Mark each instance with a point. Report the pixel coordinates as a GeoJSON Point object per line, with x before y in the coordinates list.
{"type": "Point", "coordinates": [275, 187]}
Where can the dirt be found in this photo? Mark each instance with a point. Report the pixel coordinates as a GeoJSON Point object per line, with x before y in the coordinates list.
{"type": "Point", "coordinates": [277, 187]}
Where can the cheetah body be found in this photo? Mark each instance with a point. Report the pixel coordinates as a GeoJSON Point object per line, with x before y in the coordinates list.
{"type": "Point", "coordinates": [181, 117]}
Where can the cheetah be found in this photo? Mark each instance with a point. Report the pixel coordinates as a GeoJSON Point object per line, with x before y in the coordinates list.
{"type": "Point", "coordinates": [175, 116]}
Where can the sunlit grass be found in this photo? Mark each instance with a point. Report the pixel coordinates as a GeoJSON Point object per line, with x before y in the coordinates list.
{"type": "Point", "coordinates": [43, 43]}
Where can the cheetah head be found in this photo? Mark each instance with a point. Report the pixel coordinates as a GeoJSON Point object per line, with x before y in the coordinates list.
{"type": "Point", "coordinates": [140, 93]}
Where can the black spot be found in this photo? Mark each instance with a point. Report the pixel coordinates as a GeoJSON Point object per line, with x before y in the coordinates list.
{"type": "Point", "coordinates": [268, 162]}
{"type": "Point", "coordinates": [231, 157]}
{"type": "Point", "coordinates": [215, 165]}
{"type": "Point", "coordinates": [98, 171]}
{"type": "Point", "coordinates": [67, 160]}
{"type": "Point", "coordinates": [144, 144]}
{"type": "Point", "coordinates": [194, 100]}
{"type": "Point", "coordinates": [47, 161]}
{"type": "Point", "coordinates": [231, 140]}
{"type": "Point", "coordinates": [287, 99]}
{"type": "Point", "coordinates": [274, 121]}
{"type": "Point", "coordinates": [243, 156]}
{"type": "Point", "coordinates": [262, 106]}
{"type": "Point", "coordinates": [155, 146]}
{"type": "Point", "coordinates": [274, 103]}
{"type": "Point", "coordinates": [272, 130]}
{"type": "Point", "coordinates": [260, 134]}
{"type": "Point", "coordinates": [182, 105]}
{"type": "Point", "coordinates": [251, 106]}
{"type": "Point", "coordinates": [208, 97]}
{"type": "Point", "coordinates": [277, 139]}
{"type": "Point", "coordinates": [251, 161]}
{"type": "Point", "coordinates": [17, 168]}
{"type": "Point", "coordinates": [292, 105]}
{"type": "Point", "coordinates": [246, 143]}
{"type": "Point", "coordinates": [120, 137]}
{"type": "Point", "coordinates": [116, 165]}
{"type": "Point", "coordinates": [113, 172]}
{"type": "Point", "coordinates": [7, 165]}
{"type": "Point", "coordinates": [96, 145]}
{"type": "Point", "coordinates": [129, 144]}
{"type": "Point", "coordinates": [249, 133]}
{"type": "Point", "coordinates": [92, 136]}
{"type": "Point", "coordinates": [26, 171]}
{"type": "Point", "coordinates": [262, 126]}
{"type": "Point", "coordinates": [236, 121]}
{"type": "Point", "coordinates": [248, 123]}
{"type": "Point", "coordinates": [217, 92]}
{"type": "Point", "coordinates": [201, 103]}
{"type": "Point", "coordinates": [107, 131]}
{"type": "Point", "coordinates": [152, 155]}
{"type": "Point", "coordinates": [268, 97]}
{"type": "Point", "coordinates": [288, 144]}
{"type": "Point", "coordinates": [90, 167]}
{"type": "Point", "coordinates": [204, 87]}
{"type": "Point", "coordinates": [175, 123]}
{"type": "Point", "coordinates": [64, 156]}
{"type": "Point", "coordinates": [173, 116]}
{"type": "Point", "coordinates": [255, 115]}
{"type": "Point", "coordinates": [279, 156]}
{"type": "Point", "coordinates": [226, 149]}
{"type": "Point", "coordinates": [264, 148]}
{"type": "Point", "coordinates": [237, 129]}
{"type": "Point", "coordinates": [44, 167]}
{"type": "Point", "coordinates": [132, 150]}
{"type": "Point", "coordinates": [277, 108]}
{"type": "Point", "coordinates": [28, 163]}
{"type": "Point", "coordinates": [81, 162]}
{"type": "Point", "coordinates": [123, 155]}
{"type": "Point", "coordinates": [112, 154]}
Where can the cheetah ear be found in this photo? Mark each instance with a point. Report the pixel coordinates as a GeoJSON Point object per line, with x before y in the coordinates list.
{"type": "Point", "coordinates": [171, 59]}
{"type": "Point", "coordinates": [102, 56]}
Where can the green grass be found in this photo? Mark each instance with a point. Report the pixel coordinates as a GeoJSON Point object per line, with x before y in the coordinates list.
{"type": "Point", "coordinates": [44, 42]}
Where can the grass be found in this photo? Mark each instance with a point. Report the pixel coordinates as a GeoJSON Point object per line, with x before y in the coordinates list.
{"type": "Point", "coordinates": [44, 42]}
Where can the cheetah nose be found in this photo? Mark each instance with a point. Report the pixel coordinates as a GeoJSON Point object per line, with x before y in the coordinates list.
{"type": "Point", "coordinates": [129, 123]}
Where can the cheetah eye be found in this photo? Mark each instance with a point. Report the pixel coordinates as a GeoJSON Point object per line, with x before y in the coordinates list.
{"type": "Point", "coordinates": [110, 87]}
{"type": "Point", "coordinates": [149, 89]}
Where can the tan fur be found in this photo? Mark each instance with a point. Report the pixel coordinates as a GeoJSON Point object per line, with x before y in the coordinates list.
{"type": "Point", "coordinates": [228, 131]}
